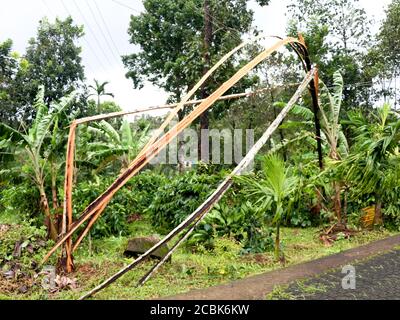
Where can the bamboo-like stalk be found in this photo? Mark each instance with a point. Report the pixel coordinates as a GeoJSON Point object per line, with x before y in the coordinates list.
{"type": "Point", "coordinates": [87, 229]}
{"type": "Point", "coordinates": [231, 96]}
{"type": "Point", "coordinates": [67, 212]}
{"type": "Point", "coordinates": [157, 146]}
{"type": "Point", "coordinates": [205, 207]}
{"type": "Point", "coordinates": [178, 106]}
{"type": "Point", "coordinates": [69, 162]}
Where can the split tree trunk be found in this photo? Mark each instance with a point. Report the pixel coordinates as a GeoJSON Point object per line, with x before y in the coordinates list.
{"type": "Point", "coordinates": [204, 120]}
{"type": "Point", "coordinates": [337, 202]}
{"type": "Point", "coordinates": [54, 187]}
{"type": "Point", "coordinates": [337, 188]}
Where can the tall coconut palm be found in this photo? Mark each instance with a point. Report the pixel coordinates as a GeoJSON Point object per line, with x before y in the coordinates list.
{"type": "Point", "coordinates": [99, 91]}
{"type": "Point", "coordinates": [33, 149]}
{"type": "Point", "coordinates": [272, 191]}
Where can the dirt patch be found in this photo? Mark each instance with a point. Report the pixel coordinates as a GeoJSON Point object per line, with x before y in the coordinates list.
{"type": "Point", "coordinates": [134, 217]}
{"type": "Point", "coordinates": [4, 228]}
{"type": "Point", "coordinates": [257, 258]}
{"type": "Point", "coordinates": [299, 246]}
{"type": "Point", "coordinates": [336, 232]}
{"type": "Point", "coordinates": [295, 232]}
{"type": "Point", "coordinates": [88, 271]}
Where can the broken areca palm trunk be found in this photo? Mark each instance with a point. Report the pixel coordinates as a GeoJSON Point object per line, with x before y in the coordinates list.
{"type": "Point", "coordinates": [155, 145]}
{"type": "Point", "coordinates": [194, 219]}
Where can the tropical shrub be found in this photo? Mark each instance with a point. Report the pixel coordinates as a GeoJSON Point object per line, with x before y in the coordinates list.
{"type": "Point", "coordinates": [372, 167]}
{"type": "Point", "coordinates": [179, 197]}
{"type": "Point", "coordinates": [13, 201]}
{"type": "Point", "coordinates": [144, 186]}
{"type": "Point", "coordinates": [36, 151]}
{"type": "Point", "coordinates": [243, 223]}
{"type": "Point", "coordinates": [133, 198]}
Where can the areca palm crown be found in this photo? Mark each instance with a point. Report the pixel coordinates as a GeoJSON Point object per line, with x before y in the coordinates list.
{"type": "Point", "coordinates": [99, 91]}
{"type": "Point", "coordinates": [272, 191]}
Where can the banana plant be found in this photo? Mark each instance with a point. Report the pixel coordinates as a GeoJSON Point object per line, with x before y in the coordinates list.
{"type": "Point", "coordinates": [116, 145]}
{"type": "Point", "coordinates": [33, 148]}
{"type": "Point", "coordinates": [272, 191]}
{"type": "Point", "coordinates": [331, 128]}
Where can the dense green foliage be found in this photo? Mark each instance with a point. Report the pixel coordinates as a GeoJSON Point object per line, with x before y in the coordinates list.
{"type": "Point", "coordinates": [173, 59]}
{"type": "Point", "coordinates": [179, 197]}
{"type": "Point", "coordinates": [336, 33]}
{"type": "Point", "coordinates": [52, 59]}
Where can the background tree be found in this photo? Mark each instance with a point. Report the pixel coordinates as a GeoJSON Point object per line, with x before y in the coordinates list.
{"type": "Point", "coordinates": [180, 41]}
{"type": "Point", "coordinates": [383, 57]}
{"type": "Point", "coordinates": [337, 33]}
{"type": "Point", "coordinates": [10, 65]}
{"type": "Point", "coordinates": [53, 61]}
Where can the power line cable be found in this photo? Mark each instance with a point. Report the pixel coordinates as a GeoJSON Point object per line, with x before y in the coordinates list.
{"type": "Point", "coordinates": [47, 7]}
{"type": "Point", "coordinates": [91, 30]}
{"type": "Point", "coordinates": [88, 43]}
{"type": "Point", "coordinates": [107, 29]}
{"type": "Point", "coordinates": [126, 6]}
{"type": "Point", "coordinates": [102, 33]}
{"type": "Point", "coordinates": [50, 11]}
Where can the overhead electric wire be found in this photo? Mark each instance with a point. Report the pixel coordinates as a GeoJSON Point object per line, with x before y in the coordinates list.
{"type": "Point", "coordinates": [107, 29]}
{"type": "Point", "coordinates": [126, 6]}
{"type": "Point", "coordinates": [50, 11]}
{"type": "Point", "coordinates": [87, 42]}
{"type": "Point", "coordinates": [47, 7]}
{"type": "Point", "coordinates": [91, 30]}
{"type": "Point", "coordinates": [102, 33]}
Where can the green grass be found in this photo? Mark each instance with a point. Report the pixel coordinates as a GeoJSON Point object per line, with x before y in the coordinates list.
{"type": "Point", "coordinates": [281, 292]}
{"type": "Point", "coordinates": [188, 270]}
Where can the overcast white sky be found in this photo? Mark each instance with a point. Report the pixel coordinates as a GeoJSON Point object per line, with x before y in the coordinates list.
{"type": "Point", "coordinates": [104, 19]}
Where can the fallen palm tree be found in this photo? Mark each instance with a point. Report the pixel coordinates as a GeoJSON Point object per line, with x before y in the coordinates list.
{"type": "Point", "coordinates": [194, 219]}
{"type": "Point", "coordinates": [156, 143]}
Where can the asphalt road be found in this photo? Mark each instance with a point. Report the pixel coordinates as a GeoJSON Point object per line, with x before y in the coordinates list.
{"type": "Point", "coordinates": [376, 278]}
